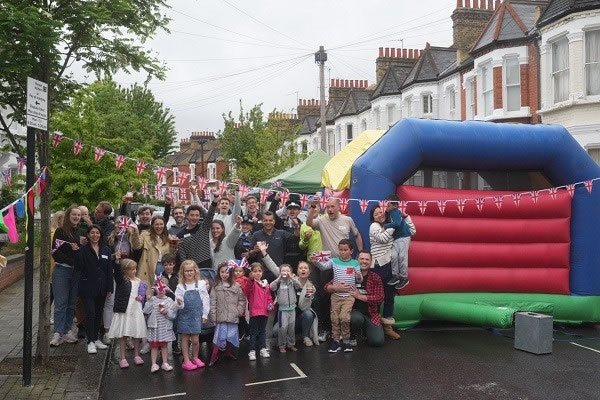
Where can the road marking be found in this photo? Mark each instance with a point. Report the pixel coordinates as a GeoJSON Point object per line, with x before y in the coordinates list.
{"type": "Point", "coordinates": [585, 347]}
{"type": "Point", "coordinates": [301, 375]}
{"type": "Point", "coordinates": [164, 396]}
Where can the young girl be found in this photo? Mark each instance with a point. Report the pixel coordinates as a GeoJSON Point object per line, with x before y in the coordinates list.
{"type": "Point", "coordinates": [193, 300]}
{"type": "Point", "coordinates": [305, 315]}
{"type": "Point", "coordinates": [227, 304]}
{"type": "Point", "coordinates": [285, 286]}
{"type": "Point", "coordinates": [260, 303]}
{"type": "Point", "coordinates": [239, 274]}
{"type": "Point", "coordinates": [162, 311]}
{"type": "Point", "coordinates": [128, 318]}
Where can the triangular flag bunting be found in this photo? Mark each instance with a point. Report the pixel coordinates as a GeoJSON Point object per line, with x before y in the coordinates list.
{"type": "Point", "coordinates": [183, 195]}
{"type": "Point", "coordinates": [21, 161]}
{"type": "Point", "coordinates": [303, 200]}
{"type": "Point", "coordinates": [364, 204]}
{"type": "Point", "coordinates": [77, 146]}
{"type": "Point", "coordinates": [383, 204]}
{"type": "Point", "coordinates": [140, 166]}
{"type": "Point", "coordinates": [553, 193]}
{"type": "Point", "coordinates": [479, 203]}
{"type": "Point", "coordinates": [182, 178]}
{"type": "Point", "coordinates": [201, 182]}
{"type": "Point", "coordinates": [11, 224]}
{"type": "Point", "coordinates": [498, 200]}
{"type": "Point", "coordinates": [264, 193]}
{"type": "Point", "coordinates": [98, 154]}
{"type": "Point", "coordinates": [402, 206]}
{"type": "Point", "coordinates": [56, 139]}
{"type": "Point", "coordinates": [441, 206]}
{"type": "Point", "coordinates": [223, 186]}
{"type": "Point", "coordinates": [589, 185]}
{"type": "Point", "coordinates": [160, 174]}
{"type": "Point", "coordinates": [244, 190]}
{"type": "Point", "coordinates": [285, 196]}
{"type": "Point", "coordinates": [145, 189]}
{"type": "Point", "coordinates": [571, 189]}
{"type": "Point", "coordinates": [535, 195]}
{"type": "Point", "coordinates": [119, 160]}
{"type": "Point", "coordinates": [516, 198]}
{"type": "Point", "coordinates": [461, 205]}
{"type": "Point", "coordinates": [344, 205]}
{"type": "Point", "coordinates": [422, 206]}
{"type": "Point", "coordinates": [157, 191]}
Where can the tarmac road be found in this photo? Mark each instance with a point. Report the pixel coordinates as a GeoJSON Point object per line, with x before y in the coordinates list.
{"type": "Point", "coordinates": [427, 363]}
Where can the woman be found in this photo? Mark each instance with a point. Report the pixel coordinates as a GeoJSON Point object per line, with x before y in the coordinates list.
{"type": "Point", "coordinates": [55, 222]}
{"type": "Point", "coordinates": [381, 249]}
{"type": "Point", "coordinates": [65, 280]}
{"type": "Point", "coordinates": [154, 243]}
{"type": "Point", "coordinates": [221, 244]}
{"type": "Point", "coordinates": [94, 263]}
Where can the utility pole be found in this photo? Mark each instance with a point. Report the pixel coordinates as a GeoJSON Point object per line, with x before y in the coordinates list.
{"type": "Point", "coordinates": [320, 58]}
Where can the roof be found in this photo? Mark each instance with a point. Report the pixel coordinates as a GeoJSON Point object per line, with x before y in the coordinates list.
{"type": "Point", "coordinates": [355, 102]}
{"type": "Point", "coordinates": [560, 8]}
{"type": "Point", "coordinates": [432, 62]}
{"type": "Point", "coordinates": [392, 81]}
{"type": "Point", "coordinates": [214, 156]}
{"type": "Point", "coordinates": [332, 110]}
{"type": "Point", "coordinates": [304, 177]}
{"type": "Point", "coordinates": [309, 125]}
{"type": "Point", "coordinates": [513, 20]}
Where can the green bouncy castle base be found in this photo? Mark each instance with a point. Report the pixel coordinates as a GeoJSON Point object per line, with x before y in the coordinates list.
{"type": "Point", "coordinates": [493, 309]}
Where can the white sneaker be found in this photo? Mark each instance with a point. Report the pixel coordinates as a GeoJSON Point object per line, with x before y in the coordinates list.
{"type": "Point", "coordinates": [99, 345]}
{"type": "Point", "coordinates": [69, 337]}
{"type": "Point", "coordinates": [252, 355]}
{"type": "Point", "coordinates": [145, 348]}
{"type": "Point", "coordinates": [264, 353]}
{"type": "Point", "coordinates": [57, 340]}
{"type": "Point", "coordinates": [106, 339]}
{"type": "Point", "coordinates": [166, 367]}
{"type": "Point", "coordinates": [92, 348]}
{"type": "Point", "coordinates": [51, 321]}
{"type": "Point", "coordinates": [307, 341]}
{"type": "Point", "coordinates": [154, 368]}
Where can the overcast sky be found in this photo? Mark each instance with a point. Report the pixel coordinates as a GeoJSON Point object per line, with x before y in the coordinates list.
{"type": "Point", "coordinates": [261, 51]}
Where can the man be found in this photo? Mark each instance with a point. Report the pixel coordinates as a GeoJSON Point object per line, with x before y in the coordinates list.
{"type": "Point", "coordinates": [225, 215]}
{"type": "Point", "coordinates": [368, 296]}
{"type": "Point", "coordinates": [179, 217]}
{"type": "Point", "coordinates": [276, 239]}
{"type": "Point", "coordinates": [252, 210]}
{"type": "Point", "coordinates": [287, 220]}
{"type": "Point", "coordinates": [102, 219]}
{"type": "Point", "coordinates": [333, 227]}
{"type": "Point", "coordinates": [144, 213]}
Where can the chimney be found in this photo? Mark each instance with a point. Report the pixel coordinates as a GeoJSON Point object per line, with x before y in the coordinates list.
{"type": "Point", "coordinates": [306, 108]}
{"type": "Point", "coordinates": [391, 57]}
{"type": "Point", "coordinates": [468, 21]}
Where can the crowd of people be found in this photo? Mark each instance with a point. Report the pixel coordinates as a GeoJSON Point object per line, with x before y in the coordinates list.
{"type": "Point", "coordinates": [225, 271]}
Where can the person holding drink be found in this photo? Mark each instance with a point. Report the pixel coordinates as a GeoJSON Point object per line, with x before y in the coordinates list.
{"type": "Point", "coordinates": [306, 318]}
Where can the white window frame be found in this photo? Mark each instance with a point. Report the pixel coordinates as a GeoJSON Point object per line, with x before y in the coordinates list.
{"type": "Point", "coordinates": [391, 114]}
{"type": "Point", "coordinates": [451, 94]}
{"type": "Point", "coordinates": [487, 92]}
{"type": "Point", "coordinates": [331, 144]}
{"type": "Point", "coordinates": [586, 63]}
{"type": "Point", "coordinates": [212, 171]}
{"type": "Point", "coordinates": [565, 71]}
{"type": "Point", "coordinates": [409, 107]}
{"type": "Point", "coordinates": [427, 100]}
{"type": "Point", "coordinates": [349, 129]}
{"type": "Point", "coordinates": [471, 98]}
{"type": "Point", "coordinates": [512, 58]}
{"type": "Point", "coordinates": [363, 125]}
{"type": "Point", "coordinates": [192, 171]}
{"type": "Point", "coordinates": [338, 138]}
{"type": "Point", "coordinates": [377, 112]}
{"type": "Point", "coordinates": [175, 175]}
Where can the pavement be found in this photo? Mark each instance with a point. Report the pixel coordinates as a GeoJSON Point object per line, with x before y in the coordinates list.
{"type": "Point", "coordinates": [430, 362]}
{"type": "Point", "coordinates": [83, 383]}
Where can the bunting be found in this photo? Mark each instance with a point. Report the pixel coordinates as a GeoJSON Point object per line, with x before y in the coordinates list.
{"type": "Point", "coordinates": [56, 139]}
{"type": "Point", "coordinates": [140, 166]}
{"type": "Point", "coordinates": [119, 161]}
{"type": "Point", "coordinates": [21, 162]}
{"type": "Point", "coordinates": [98, 154]}
{"type": "Point", "coordinates": [77, 147]}
{"type": "Point", "coordinates": [364, 204]}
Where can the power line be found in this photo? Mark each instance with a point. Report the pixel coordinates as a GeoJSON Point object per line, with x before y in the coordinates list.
{"type": "Point", "coordinates": [236, 41]}
{"type": "Point", "coordinates": [356, 70]}
{"type": "Point", "coordinates": [264, 24]}
{"type": "Point", "coordinates": [228, 58]}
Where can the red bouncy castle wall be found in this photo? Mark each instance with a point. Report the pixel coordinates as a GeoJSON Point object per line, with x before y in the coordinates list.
{"type": "Point", "coordinates": [522, 249]}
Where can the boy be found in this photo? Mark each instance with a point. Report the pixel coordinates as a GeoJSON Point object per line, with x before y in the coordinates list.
{"type": "Point", "coordinates": [285, 286]}
{"type": "Point", "coordinates": [403, 230]}
{"type": "Point", "coordinates": [346, 271]}
{"type": "Point", "coordinates": [171, 279]}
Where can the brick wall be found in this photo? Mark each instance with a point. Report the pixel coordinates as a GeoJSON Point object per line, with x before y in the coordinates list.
{"type": "Point", "coordinates": [14, 270]}
{"type": "Point", "coordinates": [463, 98]}
{"type": "Point", "coordinates": [532, 84]}
{"type": "Point", "coordinates": [467, 25]}
{"type": "Point", "coordinates": [497, 77]}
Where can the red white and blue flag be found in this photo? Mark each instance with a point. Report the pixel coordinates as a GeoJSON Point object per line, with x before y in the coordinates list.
{"type": "Point", "coordinates": [160, 174]}
{"type": "Point", "coordinates": [21, 161]}
{"type": "Point", "coordinates": [322, 256]}
{"type": "Point", "coordinates": [56, 139]}
{"type": "Point", "coordinates": [77, 147]}
{"type": "Point", "coordinates": [119, 160]}
{"type": "Point", "coordinates": [140, 166]}
{"type": "Point", "coordinates": [98, 154]}
{"type": "Point", "coordinates": [344, 205]}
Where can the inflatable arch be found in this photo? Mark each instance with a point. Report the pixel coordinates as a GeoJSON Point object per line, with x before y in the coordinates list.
{"type": "Point", "coordinates": [479, 266]}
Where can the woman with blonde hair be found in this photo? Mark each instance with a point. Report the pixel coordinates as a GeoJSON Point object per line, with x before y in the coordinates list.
{"type": "Point", "coordinates": [154, 244]}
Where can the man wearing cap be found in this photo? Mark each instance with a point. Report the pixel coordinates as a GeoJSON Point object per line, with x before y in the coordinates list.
{"type": "Point", "coordinates": [287, 219]}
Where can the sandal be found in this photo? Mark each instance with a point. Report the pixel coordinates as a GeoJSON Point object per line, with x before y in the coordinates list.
{"type": "Point", "coordinates": [138, 360]}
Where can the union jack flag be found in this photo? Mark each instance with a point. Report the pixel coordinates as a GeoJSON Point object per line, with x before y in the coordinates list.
{"type": "Point", "coordinates": [402, 205]}
{"type": "Point", "coordinates": [119, 160]}
{"type": "Point", "coordinates": [323, 202]}
{"type": "Point", "coordinates": [344, 205]}
{"type": "Point", "coordinates": [534, 196]}
{"type": "Point", "coordinates": [223, 186]}
{"type": "Point", "coordinates": [285, 195]}
{"type": "Point", "coordinates": [479, 203]}
{"type": "Point", "coordinates": [498, 200]}
{"type": "Point", "coordinates": [145, 189]}
{"type": "Point", "coordinates": [442, 206]}
{"type": "Point", "coordinates": [56, 139]}
{"type": "Point", "coordinates": [124, 223]}
{"type": "Point", "coordinates": [233, 264]}
{"type": "Point", "coordinates": [364, 204]}
{"type": "Point", "coordinates": [183, 195]}
{"type": "Point", "coordinates": [383, 204]}
{"type": "Point", "coordinates": [98, 154]}
{"type": "Point", "coordinates": [21, 162]}
{"type": "Point", "coordinates": [277, 183]}
{"type": "Point", "coordinates": [322, 256]}
{"type": "Point", "coordinates": [244, 190]}
{"type": "Point", "coordinates": [58, 243]}
{"type": "Point", "coordinates": [159, 285]}
{"type": "Point", "coordinates": [157, 191]}
{"type": "Point", "coordinates": [201, 182]}
{"type": "Point", "coordinates": [7, 175]}
{"type": "Point", "coordinates": [160, 174]}
{"type": "Point", "coordinates": [183, 177]}
{"type": "Point", "coordinates": [422, 206]}
{"type": "Point", "coordinates": [553, 193]}
{"type": "Point", "coordinates": [77, 147]}
{"type": "Point", "coordinates": [140, 166]}
{"type": "Point", "coordinates": [461, 205]}
{"type": "Point", "coordinates": [304, 200]}
{"type": "Point", "coordinates": [516, 198]}
{"type": "Point", "coordinates": [571, 189]}
{"type": "Point", "coordinates": [589, 185]}
{"type": "Point", "coordinates": [264, 193]}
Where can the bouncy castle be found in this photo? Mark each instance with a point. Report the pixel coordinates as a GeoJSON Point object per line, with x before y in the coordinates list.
{"type": "Point", "coordinates": [482, 254]}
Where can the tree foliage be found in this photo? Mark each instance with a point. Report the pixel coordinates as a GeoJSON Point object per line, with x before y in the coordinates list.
{"type": "Point", "coordinates": [125, 121]}
{"type": "Point", "coordinates": [262, 149]}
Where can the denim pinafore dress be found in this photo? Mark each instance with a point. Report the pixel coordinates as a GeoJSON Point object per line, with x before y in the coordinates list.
{"type": "Point", "coordinates": [190, 317]}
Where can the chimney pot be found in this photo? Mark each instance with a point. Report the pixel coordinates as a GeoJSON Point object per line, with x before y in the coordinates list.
{"type": "Point", "coordinates": [459, 3]}
{"type": "Point", "coordinates": [317, 102]}
{"type": "Point", "coordinates": [490, 4]}
{"type": "Point", "coordinates": [404, 53]}
{"type": "Point", "coordinates": [356, 83]}
{"type": "Point", "coordinates": [393, 52]}
{"type": "Point", "coordinates": [387, 51]}
{"type": "Point", "coordinates": [381, 52]}
{"type": "Point", "coordinates": [313, 102]}
{"type": "Point", "coordinates": [346, 83]}
{"type": "Point", "coordinates": [410, 53]}
{"type": "Point", "coordinates": [467, 3]}
{"type": "Point", "coordinates": [398, 53]}
{"type": "Point", "coordinates": [351, 83]}
{"type": "Point", "coordinates": [332, 84]}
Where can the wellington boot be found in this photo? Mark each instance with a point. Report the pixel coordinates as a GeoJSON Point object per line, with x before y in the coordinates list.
{"type": "Point", "coordinates": [390, 332]}
{"type": "Point", "coordinates": [230, 351]}
{"type": "Point", "coordinates": [214, 356]}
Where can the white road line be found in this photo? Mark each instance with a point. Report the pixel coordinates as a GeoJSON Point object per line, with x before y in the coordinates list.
{"type": "Point", "coordinates": [589, 348]}
{"type": "Point", "coordinates": [164, 396]}
{"type": "Point", "coordinates": [301, 375]}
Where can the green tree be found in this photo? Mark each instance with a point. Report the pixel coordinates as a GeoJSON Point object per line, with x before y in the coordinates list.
{"type": "Point", "coordinates": [115, 119]}
{"type": "Point", "coordinates": [44, 39]}
{"type": "Point", "coordinates": [262, 149]}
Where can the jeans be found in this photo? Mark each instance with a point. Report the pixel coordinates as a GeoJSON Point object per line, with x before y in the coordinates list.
{"type": "Point", "coordinates": [304, 320]}
{"type": "Point", "coordinates": [65, 285]}
{"type": "Point", "coordinates": [93, 316]}
{"type": "Point", "coordinates": [258, 325]}
{"type": "Point", "coordinates": [374, 333]}
{"type": "Point", "coordinates": [389, 292]}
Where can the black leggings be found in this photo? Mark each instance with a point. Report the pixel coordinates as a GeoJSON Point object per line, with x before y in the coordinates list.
{"type": "Point", "coordinates": [258, 326]}
{"type": "Point", "coordinates": [93, 316]}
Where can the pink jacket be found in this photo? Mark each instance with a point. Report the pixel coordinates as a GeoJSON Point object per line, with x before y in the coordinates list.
{"type": "Point", "coordinates": [259, 298]}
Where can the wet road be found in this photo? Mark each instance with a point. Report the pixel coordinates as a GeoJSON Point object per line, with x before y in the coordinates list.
{"type": "Point", "coordinates": [427, 363]}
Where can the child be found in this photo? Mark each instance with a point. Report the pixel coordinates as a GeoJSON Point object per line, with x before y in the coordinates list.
{"type": "Point", "coordinates": [128, 318]}
{"type": "Point", "coordinates": [345, 271]}
{"type": "Point", "coordinates": [285, 286]}
{"type": "Point", "coordinates": [227, 304]}
{"type": "Point", "coordinates": [172, 280]}
{"type": "Point", "coordinates": [239, 274]}
{"type": "Point", "coordinates": [260, 303]}
{"type": "Point", "coordinates": [193, 300]}
{"type": "Point", "coordinates": [403, 230]}
{"type": "Point", "coordinates": [162, 311]}
{"type": "Point", "coordinates": [305, 315]}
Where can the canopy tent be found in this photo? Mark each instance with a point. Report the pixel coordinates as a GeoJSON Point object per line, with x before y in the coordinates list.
{"type": "Point", "coordinates": [336, 174]}
{"type": "Point", "coordinates": [304, 177]}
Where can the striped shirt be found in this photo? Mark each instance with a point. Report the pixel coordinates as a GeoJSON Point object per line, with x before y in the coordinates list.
{"type": "Point", "coordinates": [381, 243]}
{"type": "Point", "coordinates": [343, 272]}
{"type": "Point", "coordinates": [197, 246]}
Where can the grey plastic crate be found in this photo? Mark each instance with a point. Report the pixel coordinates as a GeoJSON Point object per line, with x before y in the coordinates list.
{"type": "Point", "coordinates": [533, 332]}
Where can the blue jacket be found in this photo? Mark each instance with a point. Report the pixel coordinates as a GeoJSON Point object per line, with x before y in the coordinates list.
{"type": "Point", "coordinates": [401, 228]}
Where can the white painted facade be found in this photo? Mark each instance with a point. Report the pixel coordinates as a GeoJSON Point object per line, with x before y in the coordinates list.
{"type": "Point", "coordinates": [421, 101]}
{"type": "Point", "coordinates": [386, 111]}
{"type": "Point", "coordinates": [579, 109]}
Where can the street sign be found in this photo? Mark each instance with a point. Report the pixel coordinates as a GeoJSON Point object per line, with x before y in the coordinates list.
{"type": "Point", "coordinates": [38, 123]}
{"type": "Point", "coordinates": [37, 104]}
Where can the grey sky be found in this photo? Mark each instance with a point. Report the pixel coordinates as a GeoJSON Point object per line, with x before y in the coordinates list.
{"type": "Point", "coordinates": [198, 90]}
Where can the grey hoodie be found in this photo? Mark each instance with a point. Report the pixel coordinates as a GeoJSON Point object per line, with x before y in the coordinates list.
{"type": "Point", "coordinates": [286, 292]}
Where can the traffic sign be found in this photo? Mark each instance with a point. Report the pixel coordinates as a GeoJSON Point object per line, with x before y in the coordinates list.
{"type": "Point", "coordinates": [37, 103]}
{"type": "Point", "coordinates": [38, 123]}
